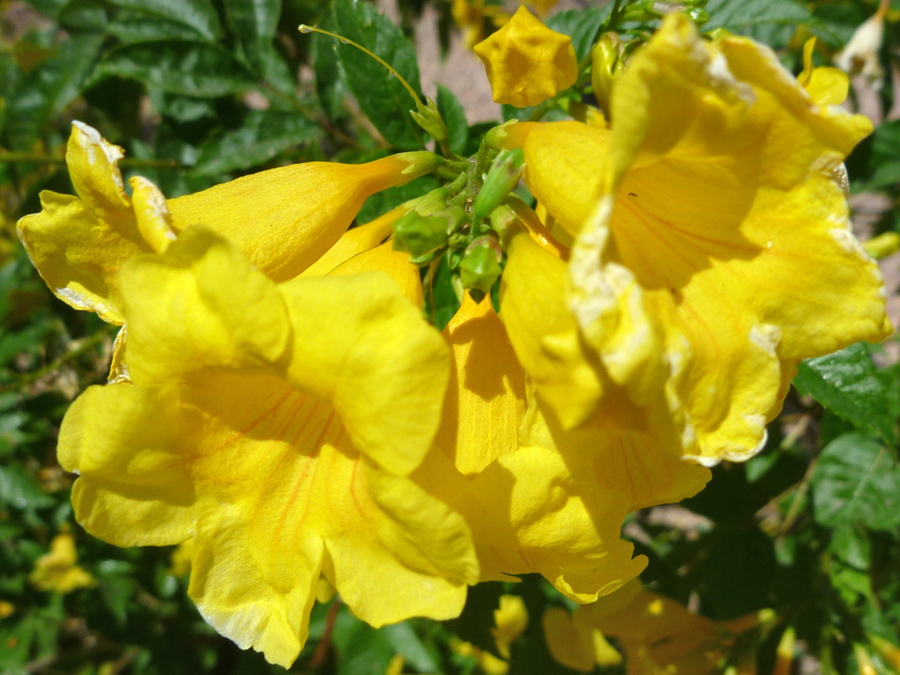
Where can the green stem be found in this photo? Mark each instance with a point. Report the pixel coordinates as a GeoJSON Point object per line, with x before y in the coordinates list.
{"type": "Point", "coordinates": [614, 15]}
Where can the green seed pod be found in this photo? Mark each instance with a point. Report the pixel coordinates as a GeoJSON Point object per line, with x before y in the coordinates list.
{"type": "Point", "coordinates": [502, 177]}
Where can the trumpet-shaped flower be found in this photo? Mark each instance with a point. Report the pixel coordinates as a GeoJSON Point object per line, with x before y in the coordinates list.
{"type": "Point", "coordinates": [526, 62]}
{"type": "Point", "coordinates": [284, 218]}
{"type": "Point", "coordinates": [276, 425]}
{"type": "Point", "coordinates": [537, 499]}
{"type": "Point", "coordinates": [658, 635]}
{"type": "Point", "coordinates": [712, 248]}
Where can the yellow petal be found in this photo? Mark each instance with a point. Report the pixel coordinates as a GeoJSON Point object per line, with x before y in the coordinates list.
{"type": "Point", "coordinates": [486, 396]}
{"type": "Point", "coordinates": [57, 571]}
{"type": "Point", "coordinates": [571, 643]}
{"type": "Point", "coordinates": [228, 313]}
{"type": "Point", "coordinates": [230, 449]}
{"type": "Point", "coordinates": [355, 241]}
{"type": "Point", "coordinates": [717, 253]}
{"type": "Point", "coordinates": [287, 218]}
{"type": "Point", "coordinates": [526, 62]}
{"type": "Point", "coordinates": [395, 263]}
{"type": "Point", "coordinates": [510, 621]}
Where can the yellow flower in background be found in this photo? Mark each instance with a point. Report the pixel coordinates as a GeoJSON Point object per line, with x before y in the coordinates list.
{"type": "Point", "coordinates": [473, 16]}
{"type": "Point", "coordinates": [826, 86]}
{"type": "Point", "coordinates": [526, 62]}
{"type": "Point", "coordinates": [510, 621]}
{"type": "Point", "coordinates": [284, 218]}
{"type": "Point", "coordinates": [542, 6]}
{"type": "Point", "coordinates": [277, 425]}
{"type": "Point", "coordinates": [57, 570]}
{"type": "Point", "coordinates": [712, 248]}
{"type": "Point", "coordinates": [658, 635]}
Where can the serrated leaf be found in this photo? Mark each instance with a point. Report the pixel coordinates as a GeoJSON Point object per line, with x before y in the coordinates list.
{"type": "Point", "coordinates": [581, 25]}
{"type": "Point", "coordinates": [254, 23]}
{"type": "Point", "coordinates": [856, 480]}
{"type": "Point", "coordinates": [739, 15]}
{"type": "Point", "coordinates": [455, 117]}
{"type": "Point", "coordinates": [198, 14]}
{"type": "Point", "coordinates": [261, 137]}
{"type": "Point", "coordinates": [178, 67]}
{"type": "Point", "coordinates": [49, 88]}
{"type": "Point", "coordinates": [381, 96]}
{"type": "Point", "coordinates": [848, 384]}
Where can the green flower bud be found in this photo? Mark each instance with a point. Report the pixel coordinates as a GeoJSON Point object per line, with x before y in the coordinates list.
{"type": "Point", "coordinates": [480, 268]}
{"type": "Point", "coordinates": [502, 177]}
{"type": "Point", "coordinates": [419, 235]}
{"type": "Point", "coordinates": [429, 118]}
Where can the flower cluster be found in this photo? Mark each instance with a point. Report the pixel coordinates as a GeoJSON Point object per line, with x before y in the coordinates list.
{"type": "Point", "coordinates": [277, 397]}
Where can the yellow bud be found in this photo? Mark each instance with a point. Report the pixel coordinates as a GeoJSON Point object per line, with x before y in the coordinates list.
{"type": "Point", "coordinates": [606, 63]}
{"type": "Point", "coordinates": [883, 245]}
{"type": "Point", "coordinates": [526, 62]}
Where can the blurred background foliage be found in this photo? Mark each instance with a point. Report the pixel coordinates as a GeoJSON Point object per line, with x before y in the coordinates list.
{"type": "Point", "coordinates": [201, 91]}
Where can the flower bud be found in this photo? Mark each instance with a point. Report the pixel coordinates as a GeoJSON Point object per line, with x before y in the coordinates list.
{"type": "Point", "coordinates": [419, 235]}
{"type": "Point", "coordinates": [526, 62]}
{"type": "Point", "coordinates": [480, 268]}
{"type": "Point", "coordinates": [606, 64]}
{"type": "Point", "coordinates": [502, 177]}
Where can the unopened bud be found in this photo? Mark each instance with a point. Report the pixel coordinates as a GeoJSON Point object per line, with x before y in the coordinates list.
{"type": "Point", "coordinates": [429, 118]}
{"type": "Point", "coordinates": [502, 177]}
{"type": "Point", "coordinates": [419, 235]}
{"type": "Point", "coordinates": [883, 245]}
{"type": "Point", "coordinates": [606, 63]}
{"type": "Point", "coordinates": [480, 268]}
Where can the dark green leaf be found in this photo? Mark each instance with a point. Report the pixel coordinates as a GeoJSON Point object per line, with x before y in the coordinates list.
{"type": "Point", "coordinates": [254, 22]}
{"type": "Point", "coordinates": [363, 650]}
{"type": "Point", "coordinates": [130, 27]}
{"type": "Point", "coordinates": [261, 137]}
{"type": "Point", "coordinates": [381, 96]}
{"type": "Point", "coordinates": [875, 163]}
{"type": "Point", "coordinates": [581, 25]}
{"type": "Point", "coordinates": [178, 67]}
{"type": "Point", "coordinates": [198, 14]}
{"type": "Point", "coordinates": [48, 89]}
{"type": "Point", "coordinates": [738, 15]}
{"type": "Point", "coordinates": [331, 87]}
{"type": "Point", "coordinates": [455, 117]}
{"type": "Point", "coordinates": [404, 640]}
{"type": "Point", "coordinates": [20, 490]}
{"type": "Point", "coordinates": [857, 480]}
{"type": "Point", "coordinates": [477, 619]}
{"type": "Point", "coordinates": [848, 384]}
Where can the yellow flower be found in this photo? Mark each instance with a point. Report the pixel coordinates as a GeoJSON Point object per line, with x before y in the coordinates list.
{"type": "Point", "coordinates": [276, 425]}
{"type": "Point", "coordinates": [472, 16]}
{"type": "Point", "coordinates": [658, 635]}
{"type": "Point", "coordinates": [57, 571]}
{"type": "Point", "coordinates": [826, 86]}
{"type": "Point", "coordinates": [526, 62]}
{"type": "Point", "coordinates": [284, 218]}
{"type": "Point", "coordinates": [510, 621]}
{"type": "Point", "coordinates": [539, 499]}
{"type": "Point", "coordinates": [712, 249]}
{"type": "Point", "coordinates": [542, 6]}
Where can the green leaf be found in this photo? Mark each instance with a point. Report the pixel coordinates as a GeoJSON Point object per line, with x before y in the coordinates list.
{"type": "Point", "coordinates": [581, 25]}
{"type": "Point", "coordinates": [363, 650]}
{"type": "Point", "coordinates": [848, 384]}
{"type": "Point", "coordinates": [404, 640]}
{"type": "Point", "coordinates": [875, 163]}
{"type": "Point", "coordinates": [20, 490]}
{"type": "Point", "coordinates": [455, 117]}
{"type": "Point", "coordinates": [198, 14]}
{"type": "Point", "coordinates": [263, 135]}
{"type": "Point", "coordinates": [381, 96]}
{"type": "Point", "coordinates": [254, 23]}
{"type": "Point", "coordinates": [48, 89]}
{"type": "Point", "coordinates": [178, 67]}
{"type": "Point", "coordinates": [739, 15]}
{"type": "Point", "coordinates": [131, 27]}
{"type": "Point", "coordinates": [331, 87]}
{"type": "Point", "coordinates": [856, 480]}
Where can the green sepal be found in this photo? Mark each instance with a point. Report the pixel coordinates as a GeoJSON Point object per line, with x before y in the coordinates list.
{"type": "Point", "coordinates": [502, 177]}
